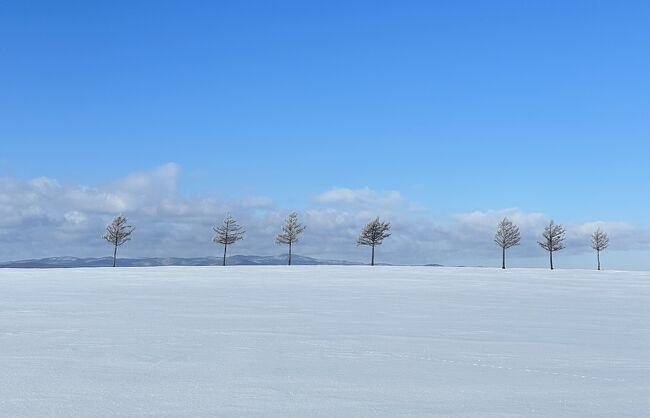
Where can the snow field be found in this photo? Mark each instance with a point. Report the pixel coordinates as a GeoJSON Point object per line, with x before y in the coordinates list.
{"type": "Point", "coordinates": [324, 341]}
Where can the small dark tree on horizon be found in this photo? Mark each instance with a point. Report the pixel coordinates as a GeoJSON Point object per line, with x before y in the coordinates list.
{"type": "Point", "coordinates": [507, 236]}
{"type": "Point", "coordinates": [118, 233]}
{"type": "Point", "coordinates": [373, 234]}
{"type": "Point", "coordinates": [290, 231]}
{"type": "Point", "coordinates": [228, 233]}
{"type": "Point", "coordinates": [553, 239]}
{"type": "Point", "coordinates": [599, 242]}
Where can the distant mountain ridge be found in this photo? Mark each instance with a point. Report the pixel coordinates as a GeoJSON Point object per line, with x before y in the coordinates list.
{"type": "Point", "coordinates": [235, 260]}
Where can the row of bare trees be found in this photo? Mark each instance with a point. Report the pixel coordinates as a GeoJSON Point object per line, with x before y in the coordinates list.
{"type": "Point", "coordinates": [118, 233]}
{"type": "Point", "coordinates": [553, 237]}
{"type": "Point", "coordinates": [229, 232]}
{"type": "Point", "coordinates": [373, 234]}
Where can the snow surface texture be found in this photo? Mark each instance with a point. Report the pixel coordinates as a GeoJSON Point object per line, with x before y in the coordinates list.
{"type": "Point", "coordinates": [324, 342]}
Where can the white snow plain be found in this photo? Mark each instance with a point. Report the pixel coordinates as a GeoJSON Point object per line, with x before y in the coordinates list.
{"type": "Point", "coordinates": [324, 342]}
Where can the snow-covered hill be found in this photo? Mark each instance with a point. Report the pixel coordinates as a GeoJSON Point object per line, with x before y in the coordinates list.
{"type": "Point", "coordinates": [323, 342]}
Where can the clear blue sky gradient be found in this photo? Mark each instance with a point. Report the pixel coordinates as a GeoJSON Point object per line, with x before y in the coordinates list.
{"type": "Point", "coordinates": [460, 106]}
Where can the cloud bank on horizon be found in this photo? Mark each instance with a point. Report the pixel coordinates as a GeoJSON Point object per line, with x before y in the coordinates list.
{"type": "Point", "coordinates": [42, 217]}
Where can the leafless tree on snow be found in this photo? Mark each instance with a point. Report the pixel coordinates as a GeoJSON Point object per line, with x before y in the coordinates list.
{"type": "Point", "coordinates": [118, 233]}
{"type": "Point", "coordinates": [507, 236]}
{"type": "Point", "coordinates": [599, 242]}
{"type": "Point", "coordinates": [228, 233]}
{"type": "Point", "coordinates": [290, 231]}
{"type": "Point", "coordinates": [553, 239]}
{"type": "Point", "coordinates": [373, 234]}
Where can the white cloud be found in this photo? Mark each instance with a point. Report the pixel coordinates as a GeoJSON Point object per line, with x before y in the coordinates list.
{"type": "Point", "coordinates": [75, 217]}
{"type": "Point", "coordinates": [488, 220]}
{"type": "Point", "coordinates": [360, 197]}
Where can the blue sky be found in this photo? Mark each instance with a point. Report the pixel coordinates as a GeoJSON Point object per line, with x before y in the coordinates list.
{"type": "Point", "coordinates": [457, 107]}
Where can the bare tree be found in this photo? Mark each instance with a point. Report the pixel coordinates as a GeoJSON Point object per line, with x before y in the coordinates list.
{"type": "Point", "coordinates": [290, 231]}
{"type": "Point", "coordinates": [553, 239]}
{"type": "Point", "coordinates": [599, 242]}
{"type": "Point", "coordinates": [373, 234]}
{"type": "Point", "coordinates": [118, 233]}
{"type": "Point", "coordinates": [507, 236]}
{"type": "Point", "coordinates": [228, 233]}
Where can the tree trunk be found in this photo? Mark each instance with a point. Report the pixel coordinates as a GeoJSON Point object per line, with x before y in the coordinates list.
{"type": "Point", "coordinates": [114, 255]}
{"type": "Point", "coordinates": [372, 260]}
{"type": "Point", "coordinates": [289, 253]}
{"type": "Point", "coordinates": [551, 255]}
{"type": "Point", "coordinates": [598, 259]}
{"type": "Point", "coordinates": [225, 248]}
{"type": "Point", "coordinates": [503, 259]}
